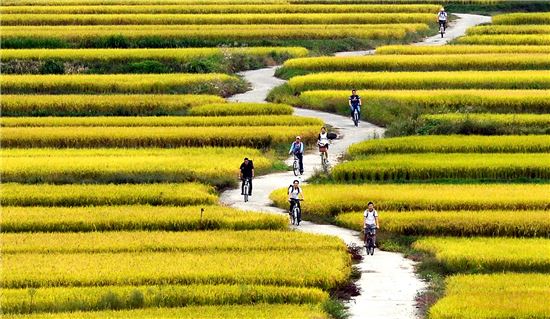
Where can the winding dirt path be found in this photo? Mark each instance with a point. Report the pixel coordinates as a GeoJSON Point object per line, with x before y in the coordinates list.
{"type": "Point", "coordinates": [388, 282]}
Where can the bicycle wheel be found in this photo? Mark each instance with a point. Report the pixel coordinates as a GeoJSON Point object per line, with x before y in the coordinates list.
{"type": "Point", "coordinates": [356, 118]}
{"type": "Point", "coordinates": [442, 31]}
{"type": "Point", "coordinates": [296, 168]}
{"type": "Point", "coordinates": [295, 216]}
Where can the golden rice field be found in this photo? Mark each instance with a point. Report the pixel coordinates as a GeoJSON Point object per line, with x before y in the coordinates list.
{"type": "Point", "coordinates": [163, 121]}
{"type": "Point", "coordinates": [233, 18]}
{"type": "Point", "coordinates": [506, 39]}
{"type": "Point", "coordinates": [325, 270]}
{"type": "Point", "coordinates": [484, 123]}
{"type": "Point", "coordinates": [83, 36]}
{"type": "Point", "coordinates": [434, 167]}
{"type": "Point", "coordinates": [139, 241]}
{"type": "Point", "coordinates": [62, 299]}
{"type": "Point", "coordinates": [481, 254]}
{"type": "Point", "coordinates": [333, 199]}
{"type": "Point", "coordinates": [505, 223]}
{"type": "Point", "coordinates": [496, 296]}
{"type": "Point", "coordinates": [452, 144]}
{"type": "Point", "coordinates": [219, 8]}
{"type": "Point", "coordinates": [215, 166]}
{"type": "Point", "coordinates": [258, 311]}
{"type": "Point", "coordinates": [116, 136]}
{"type": "Point", "coordinates": [509, 29]}
{"type": "Point", "coordinates": [486, 80]}
{"type": "Point", "coordinates": [137, 216]}
{"type": "Point", "coordinates": [522, 18]}
{"type": "Point", "coordinates": [114, 104]}
{"type": "Point", "coordinates": [475, 100]}
{"type": "Point", "coordinates": [213, 83]}
{"type": "Point", "coordinates": [442, 62]}
{"type": "Point", "coordinates": [166, 54]}
{"type": "Point", "coordinates": [108, 194]}
{"type": "Point", "coordinates": [134, 2]}
{"type": "Point", "coordinates": [240, 109]}
{"type": "Point", "coordinates": [460, 49]}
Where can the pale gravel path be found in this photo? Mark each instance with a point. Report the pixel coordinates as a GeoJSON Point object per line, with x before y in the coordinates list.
{"type": "Point", "coordinates": [388, 281]}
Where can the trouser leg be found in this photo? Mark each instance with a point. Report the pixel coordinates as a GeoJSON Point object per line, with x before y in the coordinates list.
{"type": "Point", "coordinates": [250, 186]}
{"type": "Point", "coordinates": [242, 186]}
{"type": "Point", "coordinates": [301, 161]}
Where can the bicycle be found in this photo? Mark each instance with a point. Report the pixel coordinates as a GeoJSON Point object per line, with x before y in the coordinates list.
{"type": "Point", "coordinates": [296, 166]}
{"type": "Point", "coordinates": [442, 29]}
{"type": "Point", "coordinates": [356, 117]}
{"type": "Point", "coordinates": [246, 187]}
{"type": "Point", "coordinates": [369, 240]}
{"type": "Point", "coordinates": [324, 158]}
{"type": "Point", "coordinates": [296, 212]}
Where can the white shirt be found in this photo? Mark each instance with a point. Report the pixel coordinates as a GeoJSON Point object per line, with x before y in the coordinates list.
{"type": "Point", "coordinates": [294, 192]}
{"type": "Point", "coordinates": [443, 16]}
{"type": "Point", "coordinates": [323, 138]}
{"type": "Point", "coordinates": [370, 217]}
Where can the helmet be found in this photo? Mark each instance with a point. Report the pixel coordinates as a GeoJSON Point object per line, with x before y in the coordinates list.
{"type": "Point", "coordinates": [442, 9]}
{"type": "Point", "coordinates": [298, 137]}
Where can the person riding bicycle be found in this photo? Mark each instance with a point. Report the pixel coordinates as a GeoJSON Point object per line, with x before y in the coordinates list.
{"type": "Point", "coordinates": [297, 148]}
{"type": "Point", "coordinates": [295, 194]}
{"type": "Point", "coordinates": [371, 222]}
{"type": "Point", "coordinates": [247, 172]}
{"type": "Point", "coordinates": [355, 103]}
{"type": "Point", "coordinates": [323, 141]}
{"type": "Point", "coordinates": [442, 18]}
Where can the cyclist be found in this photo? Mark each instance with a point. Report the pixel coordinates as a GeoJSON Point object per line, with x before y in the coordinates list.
{"type": "Point", "coordinates": [355, 103]}
{"type": "Point", "coordinates": [442, 17]}
{"type": "Point", "coordinates": [371, 222]}
{"type": "Point", "coordinates": [323, 141]}
{"type": "Point", "coordinates": [297, 148]}
{"type": "Point", "coordinates": [247, 172]}
{"type": "Point", "coordinates": [295, 194]}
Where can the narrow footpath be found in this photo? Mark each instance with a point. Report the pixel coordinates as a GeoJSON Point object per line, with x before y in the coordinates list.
{"type": "Point", "coordinates": [388, 284]}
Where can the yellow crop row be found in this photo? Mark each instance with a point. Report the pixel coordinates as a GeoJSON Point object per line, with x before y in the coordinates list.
{"type": "Point", "coordinates": [522, 18]}
{"type": "Point", "coordinates": [216, 166]}
{"type": "Point", "coordinates": [498, 101]}
{"type": "Point", "coordinates": [240, 109]}
{"type": "Point", "coordinates": [220, 84]}
{"type": "Point", "coordinates": [495, 296]}
{"type": "Point", "coordinates": [325, 270]}
{"type": "Point", "coordinates": [423, 80]}
{"type": "Point", "coordinates": [444, 62]}
{"type": "Point", "coordinates": [83, 105]}
{"type": "Point", "coordinates": [509, 29]}
{"type": "Point", "coordinates": [457, 223]}
{"type": "Point", "coordinates": [237, 18]}
{"type": "Point", "coordinates": [453, 166]}
{"type": "Point", "coordinates": [489, 254]}
{"type": "Point", "coordinates": [63, 299]}
{"type": "Point", "coordinates": [487, 123]}
{"type": "Point", "coordinates": [452, 144]}
{"type": "Point", "coordinates": [121, 55]}
{"type": "Point", "coordinates": [506, 39]}
{"type": "Point", "coordinates": [216, 8]}
{"type": "Point", "coordinates": [132, 2]}
{"type": "Point", "coordinates": [332, 199]}
{"type": "Point", "coordinates": [258, 311]}
{"type": "Point", "coordinates": [113, 219]}
{"type": "Point", "coordinates": [83, 137]}
{"type": "Point", "coordinates": [171, 121]}
{"type": "Point", "coordinates": [139, 241]}
{"type": "Point", "coordinates": [107, 194]}
{"type": "Point", "coordinates": [461, 49]}
{"type": "Point", "coordinates": [243, 32]}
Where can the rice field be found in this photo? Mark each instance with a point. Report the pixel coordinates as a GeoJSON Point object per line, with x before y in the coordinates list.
{"type": "Point", "coordinates": [506, 39]}
{"type": "Point", "coordinates": [522, 18]}
{"type": "Point", "coordinates": [218, 84]}
{"type": "Point", "coordinates": [215, 166]}
{"type": "Point", "coordinates": [104, 105]}
{"type": "Point", "coordinates": [488, 223]}
{"type": "Point", "coordinates": [478, 254]}
{"type": "Point", "coordinates": [452, 144]}
{"type": "Point", "coordinates": [495, 296]}
{"type": "Point", "coordinates": [481, 80]}
{"type": "Point", "coordinates": [460, 49]}
{"type": "Point", "coordinates": [509, 29]}
{"type": "Point", "coordinates": [116, 215]}
{"type": "Point", "coordinates": [332, 199]}
{"type": "Point", "coordinates": [443, 62]}
{"type": "Point", "coordinates": [76, 195]}
{"type": "Point", "coordinates": [433, 167]}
